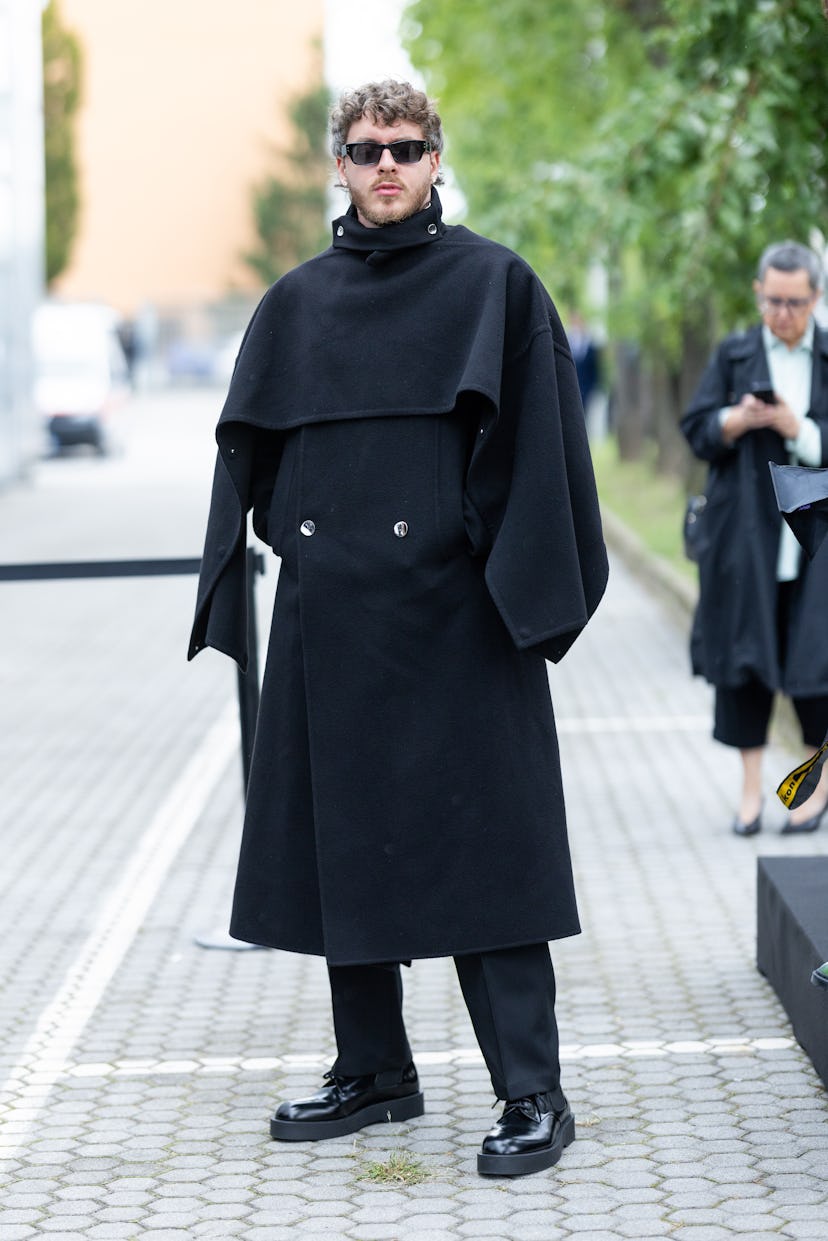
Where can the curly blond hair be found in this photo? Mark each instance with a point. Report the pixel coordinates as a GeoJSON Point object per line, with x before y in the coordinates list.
{"type": "Point", "coordinates": [386, 103]}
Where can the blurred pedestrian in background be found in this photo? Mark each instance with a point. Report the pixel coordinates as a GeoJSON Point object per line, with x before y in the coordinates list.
{"type": "Point", "coordinates": [586, 355]}
{"type": "Point", "coordinates": [404, 420]}
{"type": "Point", "coordinates": [760, 625]}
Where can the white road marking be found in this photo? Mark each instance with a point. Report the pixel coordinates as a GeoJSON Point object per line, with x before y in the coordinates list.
{"type": "Point", "coordinates": [634, 724]}
{"type": "Point", "coordinates": [46, 1058]}
{"type": "Point", "coordinates": [635, 1049]}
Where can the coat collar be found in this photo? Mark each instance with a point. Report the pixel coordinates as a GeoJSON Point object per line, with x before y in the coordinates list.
{"type": "Point", "coordinates": [751, 341]}
{"type": "Point", "coordinates": [418, 230]}
{"type": "Point", "coordinates": [751, 345]}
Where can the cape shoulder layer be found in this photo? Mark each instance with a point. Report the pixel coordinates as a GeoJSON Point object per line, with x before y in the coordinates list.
{"type": "Point", "coordinates": [415, 329]}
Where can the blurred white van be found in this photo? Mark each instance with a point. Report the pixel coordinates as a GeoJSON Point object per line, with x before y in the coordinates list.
{"type": "Point", "coordinates": [81, 374]}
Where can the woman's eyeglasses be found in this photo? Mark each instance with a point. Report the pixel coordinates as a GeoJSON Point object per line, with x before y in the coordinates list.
{"type": "Point", "coordinates": [783, 303]}
{"type": "Point", "coordinates": [405, 151]}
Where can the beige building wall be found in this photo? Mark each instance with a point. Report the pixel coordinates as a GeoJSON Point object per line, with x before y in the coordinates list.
{"type": "Point", "coordinates": [184, 101]}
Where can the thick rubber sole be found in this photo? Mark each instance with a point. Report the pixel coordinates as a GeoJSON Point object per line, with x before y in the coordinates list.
{"type": "Point", "coordinates": [531, 1161]}
{"type": "Point", "coordinates": [391, 1110]}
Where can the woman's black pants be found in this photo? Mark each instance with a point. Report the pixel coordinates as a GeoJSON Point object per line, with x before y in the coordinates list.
{"type": "Point", "coordinates": [510, 996]}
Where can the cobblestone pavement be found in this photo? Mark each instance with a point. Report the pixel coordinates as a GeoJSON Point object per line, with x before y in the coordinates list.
{"type": "Point", "coordinates": [140, 1069]}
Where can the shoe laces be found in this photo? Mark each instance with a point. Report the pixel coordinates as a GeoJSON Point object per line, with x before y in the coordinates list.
{"type": "Point", "coordinates": [336, 1079]}
{"type": "Point", "coordinates": [529, 1105]}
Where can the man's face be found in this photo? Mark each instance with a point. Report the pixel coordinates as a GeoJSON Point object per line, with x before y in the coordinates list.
{"type": "Point", "coordinates": [387, 192]}
{"type": "Point", "coordinates": [785, 300]}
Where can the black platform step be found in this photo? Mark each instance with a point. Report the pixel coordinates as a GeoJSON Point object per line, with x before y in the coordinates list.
{"type": "Point", "coordinates": [792, 940]}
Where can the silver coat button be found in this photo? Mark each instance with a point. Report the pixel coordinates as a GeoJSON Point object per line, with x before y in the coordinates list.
{"type": "Point", "coordinates": [308, 528]}
{"type": "Point", "coordinates": [432, 228]}
{"type": "Point", "coordinates": [401, 529]}
{"type": "Point", "coordinates": [340, 232]}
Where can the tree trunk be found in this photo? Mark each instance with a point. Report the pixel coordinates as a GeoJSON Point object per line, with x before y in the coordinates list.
{"type": "Point", "coordinates": [626, 409]}
{"type": "Point", "coordinates": [697, 344]}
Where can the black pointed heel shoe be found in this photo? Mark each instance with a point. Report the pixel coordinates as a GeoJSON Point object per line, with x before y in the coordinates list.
{"type": "Point", "coordinates": [347, 1104]}
{"type": "Point", "coordinates": [747, 829]}
{"type": "Point", "coordinates": [807, 825]}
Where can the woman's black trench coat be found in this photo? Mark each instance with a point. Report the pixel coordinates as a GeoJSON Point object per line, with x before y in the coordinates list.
{"type": "Point", "coordinates": [437, 540]}
{"type": "Point", "coordinates": [734, 636]}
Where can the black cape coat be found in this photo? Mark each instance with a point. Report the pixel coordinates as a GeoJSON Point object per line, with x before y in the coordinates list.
{"type": "Point", "coordinates": [404, 420]}
{"type": "Point", "coordinates": [734, 636]}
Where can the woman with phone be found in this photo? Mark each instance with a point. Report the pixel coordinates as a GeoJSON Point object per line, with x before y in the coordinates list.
{"type": "Point", "coordinates": [759, 627]}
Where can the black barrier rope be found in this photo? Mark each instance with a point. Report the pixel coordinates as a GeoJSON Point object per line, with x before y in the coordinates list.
{"type": "Point", "coordinates": [248, 682]}
{"type": "Point", "coordinates": [97, 568]}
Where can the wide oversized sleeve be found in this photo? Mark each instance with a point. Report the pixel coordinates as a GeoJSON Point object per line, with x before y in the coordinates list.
{"type": "Point", "coordinates": [221, 600]}
{"type": "Point", "coordinates": [531, 489]}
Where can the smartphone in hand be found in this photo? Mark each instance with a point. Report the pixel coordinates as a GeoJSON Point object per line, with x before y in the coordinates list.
{"type": "Point", "coordinates": [763, 393]}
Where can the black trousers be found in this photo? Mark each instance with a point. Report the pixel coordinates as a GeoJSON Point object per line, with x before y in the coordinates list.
{"type": "Point", "coordinates": [742, 716]}
{"type": "Point", "coordinates": [510, 996]}
{"type": "Point", "coordinates": [742, 713]}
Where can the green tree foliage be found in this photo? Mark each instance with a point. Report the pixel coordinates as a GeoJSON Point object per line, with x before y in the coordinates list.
{"type": "Point", "coordinates": [522, 90]}
{"type": "Point", "coordinates": [670, 140]}
{"type": "Point", "coordinates": [724, 151]}
{"type": "Point", "coordinates": [62, 76]}
{"type": "Point", "coordinates": [290, 211]}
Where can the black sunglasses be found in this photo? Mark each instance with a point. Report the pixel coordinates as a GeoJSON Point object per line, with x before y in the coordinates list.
{"type": "Point", "coordinates": [405, 151]}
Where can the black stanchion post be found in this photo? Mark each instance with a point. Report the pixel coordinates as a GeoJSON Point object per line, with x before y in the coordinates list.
{"type": "Point", "coordinates": [249, 681]}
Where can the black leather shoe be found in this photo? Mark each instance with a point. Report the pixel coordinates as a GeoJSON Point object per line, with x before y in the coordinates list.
{"type": "Point", "coordinates": [748, 829]}
{"type": "Point", "coordinates": [807, 825]}
{"type": "Point", "coordinates": [529, 1137]}
{"type": "Point", "coordinates": [346, 1104]}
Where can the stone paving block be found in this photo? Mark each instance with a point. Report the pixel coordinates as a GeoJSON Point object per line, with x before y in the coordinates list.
{"type": "Point", "coordinates": [487, 1228]}
{"type": "Point", "coordinates": [595, 1220]}
{"type": "Point", "coordinates": [642, 1181]}
{"type": "Point", "coordinates": [60, 1221]}
{"type": "Point", "coordinates": [652, 1208]}
{"type": "Point", "coordinates": [385, 1213]}
{"type": "Point", "coordinates": [121, 1214]}
{"type": "Point", "coordinates": [12, 1217]}
{"type": "Point", "coordinates": [803, 1212]}
{"type": "Point", "coordinates": [164, 1234]}
{"type": "Point", "coordinates": [753, 1225]}
{"type": "Point", "coordinates": [313, 1234]}
{"type": "Point", "coordinates": [268, 1232]}
{"type": "Point", "coordinates": [59, 1235]}
{"type": "Point", "coordinates": [638, 1230]}
{"type": "Point", "coordinates": [428, 1234]}
{"type": "Point", "coordinates": [220, 1228]}
{"type": "Point", "coordinates": [701, 1232]}
{"type": "Point", "coordinates": [24, 1201]}
{"type": "Point", "coordinates": [114, 1231]}
{"type": "Point", "coordinates": [290, 1204]}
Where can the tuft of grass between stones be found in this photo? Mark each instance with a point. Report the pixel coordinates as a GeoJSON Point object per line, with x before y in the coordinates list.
{"type": "Point", "coordinates": [398, 1169]}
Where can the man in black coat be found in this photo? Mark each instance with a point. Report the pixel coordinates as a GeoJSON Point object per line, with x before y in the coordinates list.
{"type": "Point", "coordinates": [760, 623]}
{"type": "Point", "coordinates": [404, 422]}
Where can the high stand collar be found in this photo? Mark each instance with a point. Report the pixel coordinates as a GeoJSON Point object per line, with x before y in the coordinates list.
{"type": "Point", "coordinates": [418, 230]}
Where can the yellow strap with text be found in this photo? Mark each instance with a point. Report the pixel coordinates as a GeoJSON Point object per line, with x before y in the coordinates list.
{"type": "Point", "coordinates": [794, 780]}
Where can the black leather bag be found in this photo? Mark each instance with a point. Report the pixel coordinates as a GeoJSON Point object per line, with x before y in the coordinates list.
{"type": "Point", "coordinates": [694, 526]}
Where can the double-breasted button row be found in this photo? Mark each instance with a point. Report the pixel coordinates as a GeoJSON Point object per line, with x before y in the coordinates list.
{"type": "Point", "coordinates": [308, 528]}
